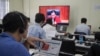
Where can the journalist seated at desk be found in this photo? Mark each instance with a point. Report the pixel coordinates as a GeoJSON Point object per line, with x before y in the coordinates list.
{"type": "Point", "coordinates": [15, 26]}
{"type": "Point", "coordinates": [83, 27]}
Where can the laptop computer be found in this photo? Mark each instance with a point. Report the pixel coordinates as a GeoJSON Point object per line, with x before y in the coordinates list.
{"type": "Point", "coordinates": [52, 49]}
{"type": "Point", "coordinates": [61, 27]}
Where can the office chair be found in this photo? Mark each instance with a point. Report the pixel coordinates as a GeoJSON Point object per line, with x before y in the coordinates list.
{"type": "Point", "coordinates": [94, 50]}
{"type": "Point", "coordinates": [67, 48]}
{"type": "Point", "coordinates": [57, 39]}
{"type": "Point", "coordinates": [97, 36]}
{"type": "Point", "coordinates": [78, 34]}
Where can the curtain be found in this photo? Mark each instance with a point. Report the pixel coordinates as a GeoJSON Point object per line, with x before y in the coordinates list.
{"type": "Point", "coordinates": [4, 7]}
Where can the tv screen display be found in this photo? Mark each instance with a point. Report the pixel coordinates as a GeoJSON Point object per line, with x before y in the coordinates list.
{"type": "Point", "coordinates": [58, 14]}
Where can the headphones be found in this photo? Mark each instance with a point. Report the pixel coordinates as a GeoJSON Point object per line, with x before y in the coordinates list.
{"type": "Point", "coordinates": [21, 28]}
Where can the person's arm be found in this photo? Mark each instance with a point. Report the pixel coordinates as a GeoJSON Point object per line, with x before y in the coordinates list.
{"type": "Point", "coordinates": [30, 41]}
{"type": "Point", "coordinates": [33, 36]}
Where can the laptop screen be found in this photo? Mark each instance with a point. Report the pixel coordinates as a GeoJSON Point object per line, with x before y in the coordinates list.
{"type": "Point", "coordinates": [61, 27]}
{"type": "Point", "coordinates": [52, 49]}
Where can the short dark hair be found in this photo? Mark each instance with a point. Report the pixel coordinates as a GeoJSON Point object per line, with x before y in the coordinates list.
{"type": "Point", "coordinates": [13, 21]}
{"type": "Point", "coordinates": [83, 20]}
{"type": "Point", "coordinates": [49, 21]}
{"type": "Point", "coordinates": [53, 11]}
{"type": "Point", "coordinates": [28, 19]}
{"type": "Point", "coordinates": [39, 17]}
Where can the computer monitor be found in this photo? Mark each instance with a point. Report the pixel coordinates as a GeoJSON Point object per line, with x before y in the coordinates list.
{"type": "Point", "coordinates": [58, 14]}
{"type": "Point", "coordinates": [61, 27]}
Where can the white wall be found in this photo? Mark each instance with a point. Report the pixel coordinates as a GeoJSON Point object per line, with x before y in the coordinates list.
{"type": "Point", "coordinates": [95, 14]}
{"type": "Point", "coordinates": [16, 5]}
{"type": "Point", "coordinates": [79, 9]}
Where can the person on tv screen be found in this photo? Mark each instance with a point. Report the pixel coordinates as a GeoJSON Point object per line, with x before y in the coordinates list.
{"type": "Point", "coordinates": [54, 15]}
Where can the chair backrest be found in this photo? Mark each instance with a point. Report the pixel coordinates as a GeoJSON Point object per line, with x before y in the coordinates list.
{"type": "Point", "coordinates": [97, 36]}
{"type": "Point", "coordinates": [68, 47]}
{"type": "Point", "coordinates": [94, 50]}
{"type": "Point", "coordinates": [56, 39]}
{"type": "Point", "coordinates": [78, 34]}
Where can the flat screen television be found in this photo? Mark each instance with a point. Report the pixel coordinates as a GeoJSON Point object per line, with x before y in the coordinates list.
{"type": "Point", "coordinates": [58, 14]}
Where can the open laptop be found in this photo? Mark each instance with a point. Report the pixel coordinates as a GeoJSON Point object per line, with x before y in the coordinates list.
{"type": "Point", "coordinates": [52, 49]}
{"type": "Point", "coordinates": [61, 27]}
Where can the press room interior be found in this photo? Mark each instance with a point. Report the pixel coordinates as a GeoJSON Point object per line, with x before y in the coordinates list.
{"type": "Point", "coordinates": [89, 9]}
{"type": "Point", "coordinates": [78, 9]}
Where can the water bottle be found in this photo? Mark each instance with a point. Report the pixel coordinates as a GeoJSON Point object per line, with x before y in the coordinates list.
{"type": "Point", "coordinates": [81, 39]}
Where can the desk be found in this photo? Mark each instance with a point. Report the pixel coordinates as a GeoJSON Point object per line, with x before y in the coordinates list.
{"type": "Point", "coordinates": [84, 48]}
{"type": "Point", "coordinates": [34, 51]}
{"type": "Point", "coordinates": [82, 45]}
{"type": "Point", "coordinates": [90, 36]}
{"type": "Point", "coordinates": [31, 51]}
{"type": "Point", "coordinates": [81, 48]}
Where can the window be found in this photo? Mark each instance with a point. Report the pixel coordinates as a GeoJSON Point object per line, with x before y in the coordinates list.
{"type": "Point", "coordinates": [4, 7]}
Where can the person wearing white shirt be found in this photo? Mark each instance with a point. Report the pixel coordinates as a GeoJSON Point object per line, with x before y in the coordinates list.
{"type": "Point", "coordinates": [50, 29]}
{"type": "Point", "coordinates": [83, 27]}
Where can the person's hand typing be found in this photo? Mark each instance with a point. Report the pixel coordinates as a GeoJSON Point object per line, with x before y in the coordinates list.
{"type": "Point", "coordinates": [31, 40]}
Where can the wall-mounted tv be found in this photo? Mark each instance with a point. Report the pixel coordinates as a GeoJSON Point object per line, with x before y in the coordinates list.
{"type": "Point", "coordinates": [58, 14]}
